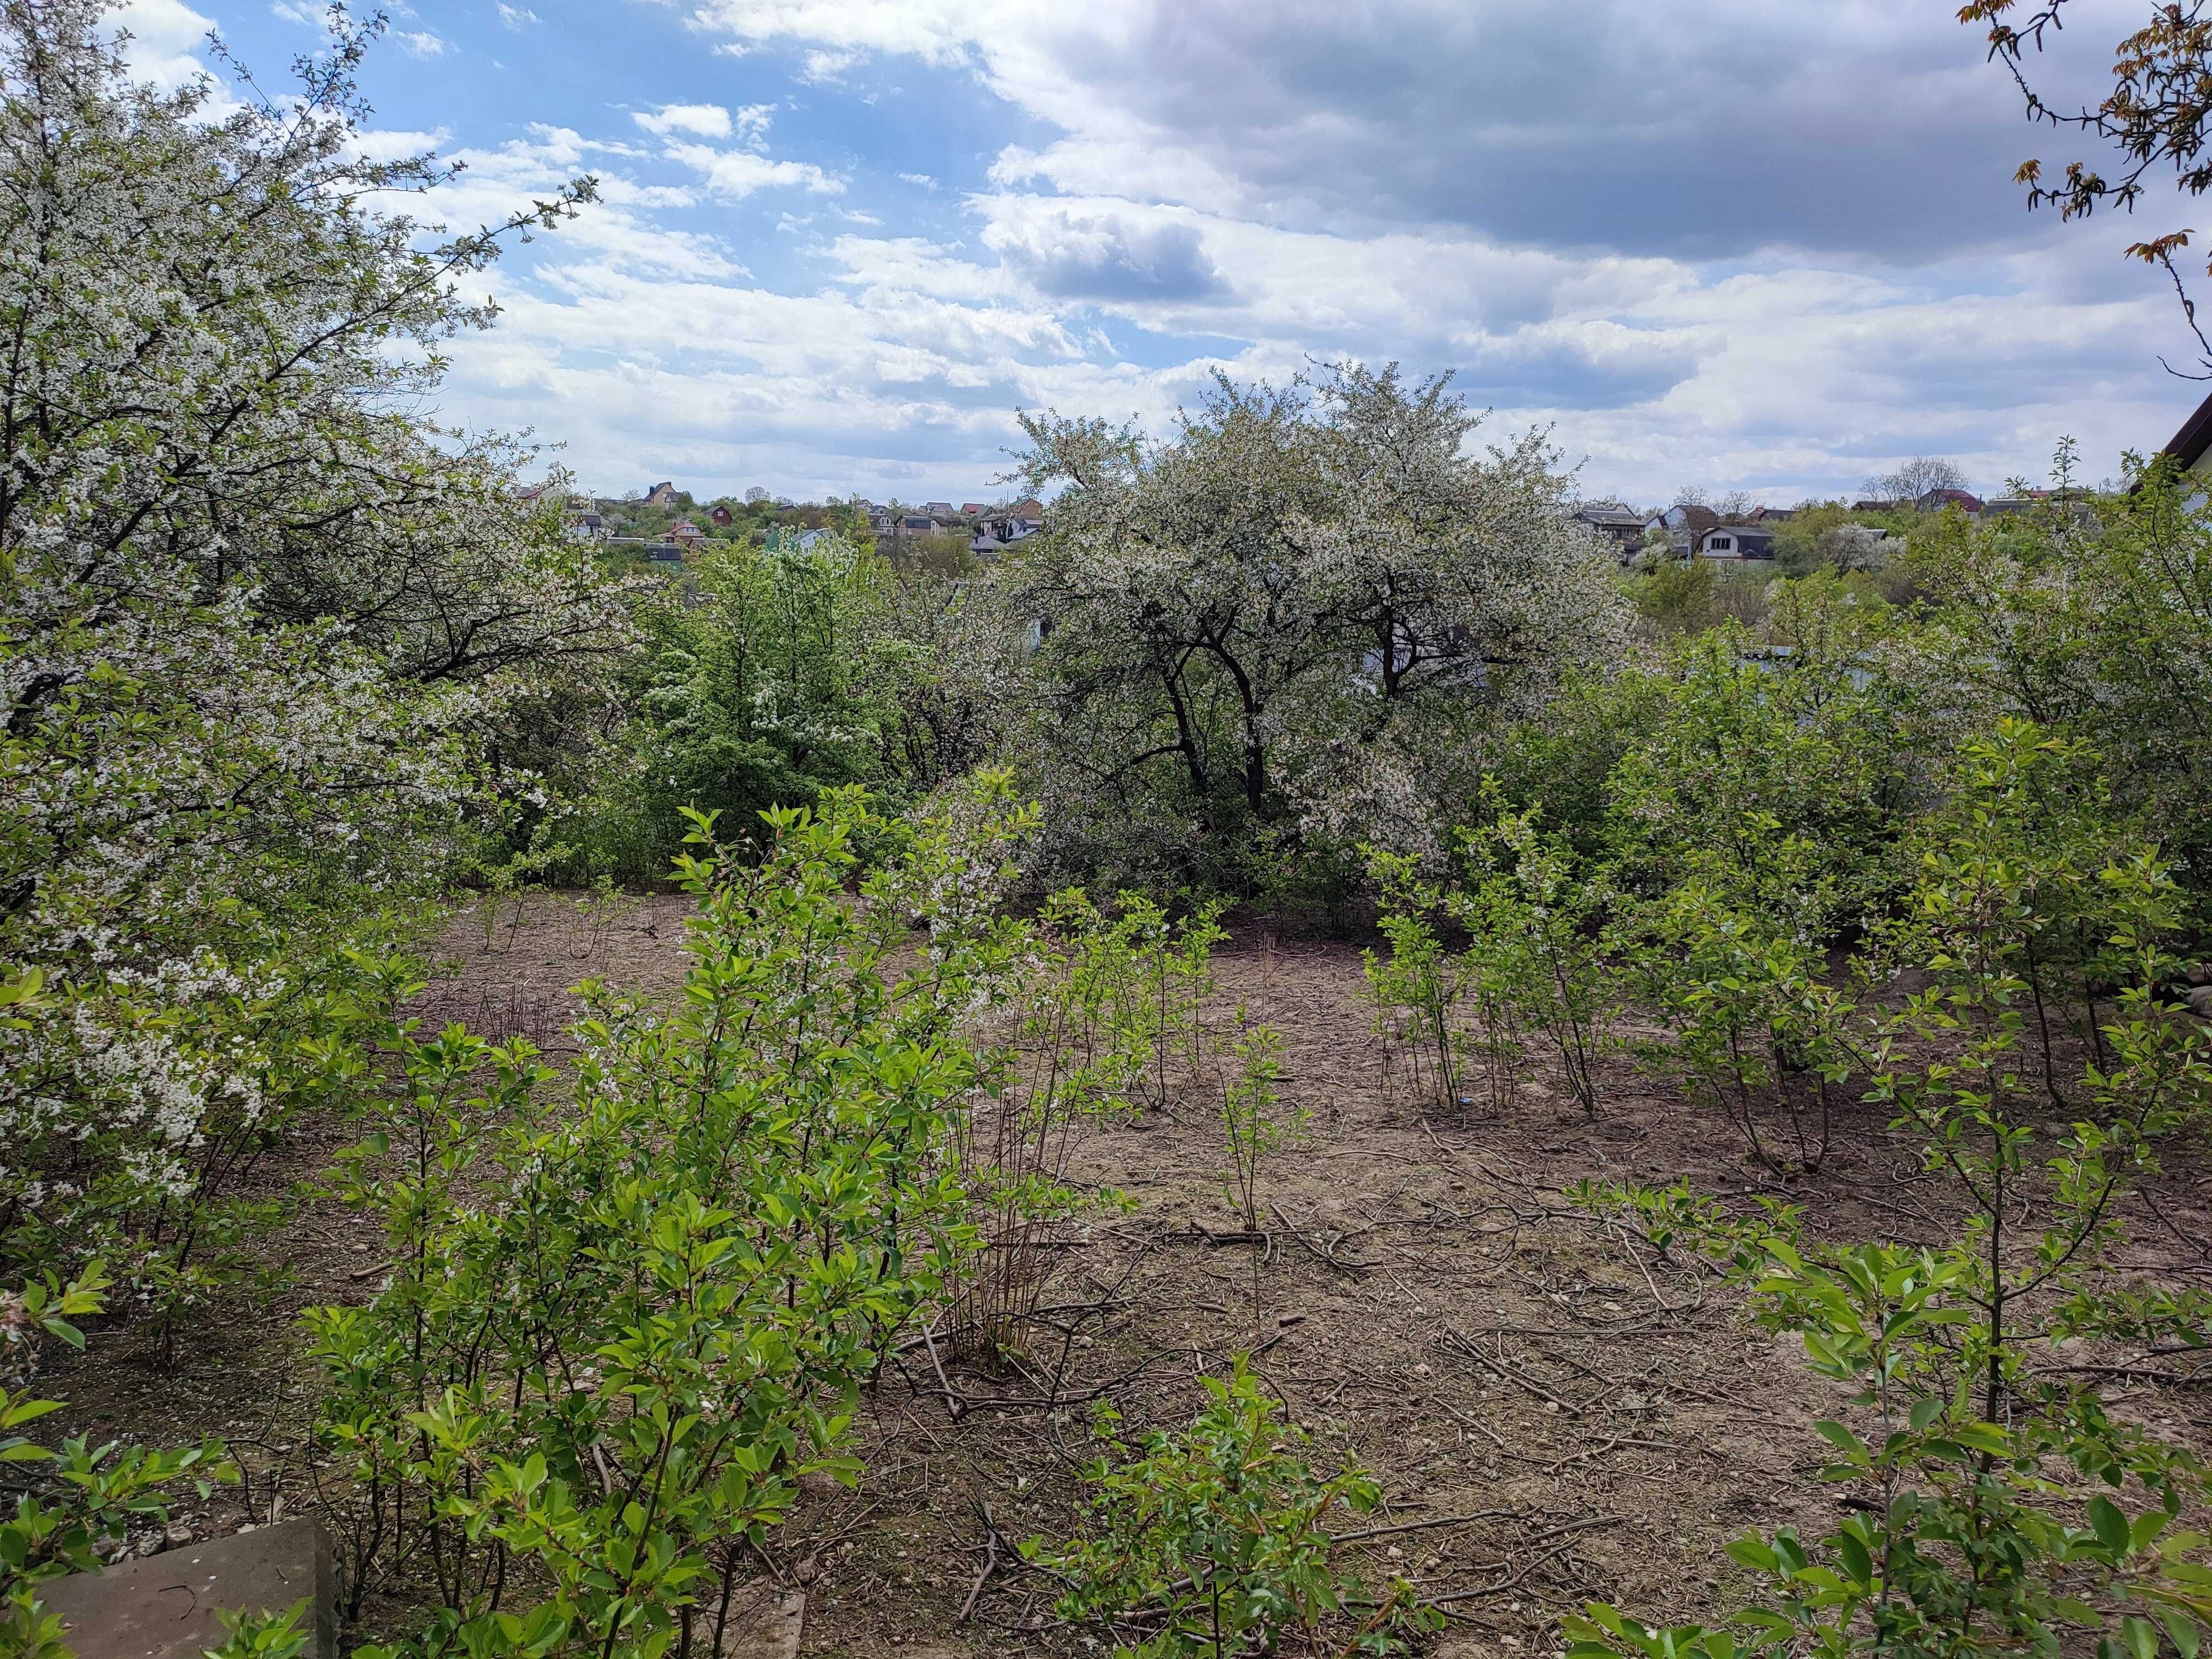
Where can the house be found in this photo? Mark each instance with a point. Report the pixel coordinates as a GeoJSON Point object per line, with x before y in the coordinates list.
{"type": "Point", "coordinates": [661, 495]}
{"type": "Point", "coordinates": [2191, 448]}
{"type": "Point", "coordinates": [938, 509]}
{"type": "Point", "coordinates": [985, 545]}
{"type": "Point", "coordinates": [719, 515]}
{"type": "Point", "coordinates": [1934, 500]}
{"type": "Point", "coordinates": [973, 509]}
{"type": "Point", "coordinates": [1681, 524]}
{"type": "Point", "coordinates": [1028, 507]}
{"type": "Point", "coordinates": [1622, 526]}
{"type": "Point", "coordinates": [685, 534]}
{"type": "Point", "coordinates": [1735, 541]}
{"type": "Point", "coordinates": [2192, 445]}
{"type": "Point", "coordinates": [1770, 515]}
{"type": "Point", "coordinates": [1874, 507]}
{"type": "Point", "coordinates": [585, 527]}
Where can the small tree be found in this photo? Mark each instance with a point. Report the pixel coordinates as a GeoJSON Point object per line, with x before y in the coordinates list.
{"type": "Point", "coordinates": [1254, 1122]}
{"type": "Point", "coordinates": [1534, 925]}
{"type": "Point", "coordinates": [1420, 976]}
{"type": "Point", "coordinates": [1213, 1541]}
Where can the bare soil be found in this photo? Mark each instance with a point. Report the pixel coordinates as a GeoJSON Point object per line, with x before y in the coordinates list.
{"type": "Point", "coordinates": [1556, 1414]}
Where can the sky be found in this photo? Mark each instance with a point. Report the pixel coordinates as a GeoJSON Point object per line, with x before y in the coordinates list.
{"type": "Point", "coordinates": [1761, 244]}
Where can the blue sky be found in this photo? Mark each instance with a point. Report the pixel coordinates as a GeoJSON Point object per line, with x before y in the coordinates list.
{"type": "Point", "coordinates": [1770, 245]}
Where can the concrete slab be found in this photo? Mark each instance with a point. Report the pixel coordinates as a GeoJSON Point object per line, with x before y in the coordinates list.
{"type": "Point", "coordinates": [765, 1623]}
{"type": "Point", "coordinates": [162, 1607]}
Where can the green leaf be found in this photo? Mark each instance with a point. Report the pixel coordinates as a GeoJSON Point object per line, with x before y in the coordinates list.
{"type": "Point", "coordinates": [1857, 1560]}
{"type": "Point", "coordinates": [1843, 1439]}
{"type": "Point", "coordinates": [2109, 1524]}
{"type": "Point", "coordinates": [2142, 1637]}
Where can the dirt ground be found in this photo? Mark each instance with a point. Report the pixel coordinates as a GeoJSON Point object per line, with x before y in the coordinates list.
{"type": "Point", "coordinates": [1555, 1415]}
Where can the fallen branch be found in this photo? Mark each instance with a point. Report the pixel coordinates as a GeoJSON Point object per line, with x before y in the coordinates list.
{"type": "Point", "coordinates": [990, 1566]}
{"type": "Point", "coordinates": [1459, 1344]}
{"type": "Point", "coordinates": [1513, 1580]}
{"type": "Point", "coordinates": [1425, 1526]}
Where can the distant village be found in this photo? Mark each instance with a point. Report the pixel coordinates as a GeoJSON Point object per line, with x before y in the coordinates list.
{"type": "Point", "coordinates": [665, 524]}
{"type": "Point", "coordinates": [1735, 531]}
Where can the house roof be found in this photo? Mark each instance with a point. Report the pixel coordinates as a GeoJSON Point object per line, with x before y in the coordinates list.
{"type": "Point", "coordinates": [1695, 520]}
{"type": "Point", "coordinates": [1965, 498]}
{"type": "Point", "coordinates": [2189, 445]}
{"type": "Point", "coordinates": [1751, 533]}
{"type": "Point", "coordinates": [1608, 514]}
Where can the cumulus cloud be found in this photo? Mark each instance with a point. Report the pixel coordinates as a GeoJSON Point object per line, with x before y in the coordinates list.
{"type": "Point", "coordinates": [516, 17]}
{"type": "Point", "coordinates": [1083, 257]}
{"type": "Point", "coordinates": [703, 121]}
{"type": "Point", "coordinates": [1705, 127]}
{"type": "Point", "coordinates": [421, 43]}
{"type": "Point", "coordinates": [733, 174]}
{"type": "Point", "coordinates": [165, 36]}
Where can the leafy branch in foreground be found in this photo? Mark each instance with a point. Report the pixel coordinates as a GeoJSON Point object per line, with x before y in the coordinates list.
{"type": "Point", "coordinates": [89, 1498]}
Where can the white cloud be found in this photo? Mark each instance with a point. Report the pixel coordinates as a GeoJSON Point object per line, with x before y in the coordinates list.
{"type": "Point", "coordinates": [296, 11]}
{"type": "Point", "coordinates": [421, 44]}
{"type": "Point", "coordinates": [825, 66]}
{"type": "Point", "coordinates": [516, 17]}
{"type": "Point", "coordinates": [165, 36]}
{"type": "Point", "coordinates": [703, 121]}
{"type": "Point", "coordinates": [733, 175]}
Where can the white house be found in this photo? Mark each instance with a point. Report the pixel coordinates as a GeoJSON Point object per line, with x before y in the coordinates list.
{"type": "Point", "coordinates": [1735, 541]}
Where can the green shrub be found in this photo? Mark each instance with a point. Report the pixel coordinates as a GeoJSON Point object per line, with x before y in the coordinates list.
{"type": "Point", "coordinates": [1996, 1502]}
{"type": "Point", "coordinates": [1213, 1541]}
{"type": "Point", "coordinates": [621, 1322]}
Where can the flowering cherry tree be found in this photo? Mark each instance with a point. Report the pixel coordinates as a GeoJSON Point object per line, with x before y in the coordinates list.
{"type": "Point", "coordinates": [1287, 626]}
{"type": "Point", "coordinates": [259, 623]}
